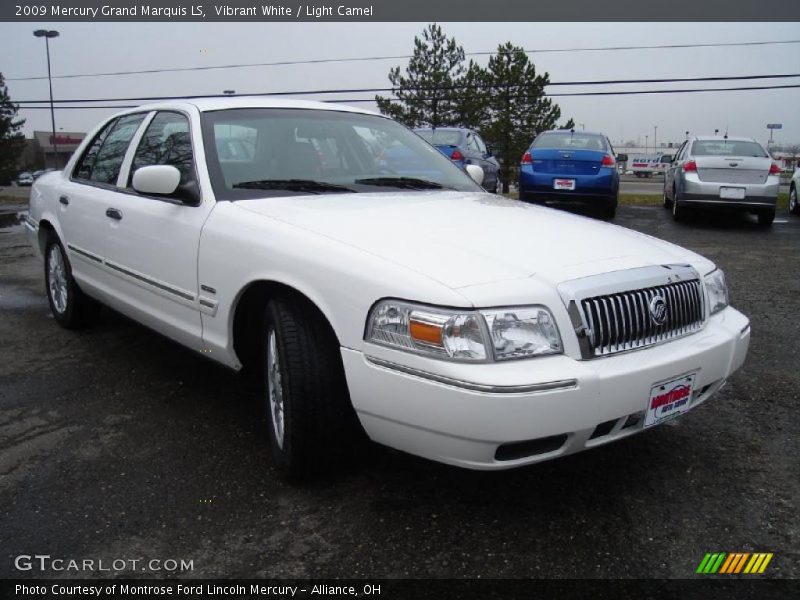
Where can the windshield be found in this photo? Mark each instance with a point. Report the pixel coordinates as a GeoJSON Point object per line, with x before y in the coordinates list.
{"type": "Point", "coordinates": [440, 137]}
{"type": "Point", "coordinates": [569, 141]}
{"type": "Point", "coordinates": [258, 152]}
{"type": "Point", "coordinates": [727, 148]}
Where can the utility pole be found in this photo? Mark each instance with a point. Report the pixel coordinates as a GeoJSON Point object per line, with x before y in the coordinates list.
{"type": "Point", "coordinates": [47, 34]}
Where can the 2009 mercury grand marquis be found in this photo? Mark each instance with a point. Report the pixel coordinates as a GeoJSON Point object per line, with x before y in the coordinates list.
{"type": "Point", "coordinates": [373, 285]}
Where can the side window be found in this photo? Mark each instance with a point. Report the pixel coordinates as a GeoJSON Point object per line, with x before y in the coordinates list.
{"type": "Point", "coordinates": [167, 142]}
{"type": "Point", "coordinates": [112, 151]}
{"type": "Point", "coordinates": [472, 144]}
{"type": "Point", "coordinates": [83, 170]}
{"type": "Point", "coordinates": [481, 145]}
{"type": "Point", "coordinates": [679, 155]}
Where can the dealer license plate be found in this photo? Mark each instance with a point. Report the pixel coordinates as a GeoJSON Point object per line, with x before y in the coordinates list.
{"type": "Point", "coordinates": [732, 193]}
{"type": "Point", "coordinates": [564, 184]}
{"type": "Point", "coordinates": [669, 400]}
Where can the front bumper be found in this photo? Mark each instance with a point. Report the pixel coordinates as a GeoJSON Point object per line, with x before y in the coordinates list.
{"type": "Point", "coordinates": [553, 406]}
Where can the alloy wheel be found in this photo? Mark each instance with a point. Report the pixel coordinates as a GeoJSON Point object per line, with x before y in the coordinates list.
{"type": "Point", "coordinates": [57, 279]}
{"type": "Point", "coordinates": [275, 388]}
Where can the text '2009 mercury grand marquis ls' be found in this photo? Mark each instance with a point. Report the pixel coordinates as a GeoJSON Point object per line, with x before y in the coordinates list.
{"type": "Point", "coordinates": [375, 287]}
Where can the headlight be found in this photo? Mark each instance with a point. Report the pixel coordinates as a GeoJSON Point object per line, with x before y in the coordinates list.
{"type": "Point", "coordinates": [522, 332]}
{"type": "Point", "coordinates": [471, 336]}
{"type": "Point", "coordinates": [717, 291]}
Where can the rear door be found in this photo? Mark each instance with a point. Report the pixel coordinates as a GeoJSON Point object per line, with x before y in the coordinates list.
{"type": "Point", "coordinates": [153, 245]}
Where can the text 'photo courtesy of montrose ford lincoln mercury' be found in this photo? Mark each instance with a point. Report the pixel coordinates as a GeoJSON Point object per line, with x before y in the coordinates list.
{"type": "Point", "coordinates": [376, 288]}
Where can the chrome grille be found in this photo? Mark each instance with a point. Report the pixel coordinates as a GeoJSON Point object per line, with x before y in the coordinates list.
{"type": "Point", "coordinates": [622, 321]}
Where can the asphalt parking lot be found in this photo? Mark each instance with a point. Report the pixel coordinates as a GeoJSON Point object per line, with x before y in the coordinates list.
{"type": "Point", "coordinates": [117, 443]}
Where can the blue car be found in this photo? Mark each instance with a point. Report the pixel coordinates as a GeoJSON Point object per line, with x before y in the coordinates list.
{"type": "Point", "coordinates": [465, 147]}
{"type": "Point", "coordinates": [571, 168]}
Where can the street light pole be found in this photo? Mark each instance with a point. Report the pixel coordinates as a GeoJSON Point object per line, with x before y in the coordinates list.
{"type": "Point", "coordinates": [47, 34]}
{"type": "Point", "coordinates": [655, 138]}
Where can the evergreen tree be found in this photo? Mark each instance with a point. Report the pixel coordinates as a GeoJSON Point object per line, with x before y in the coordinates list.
{"type": "Point", "coordinates": [12, 140]}
{"type": "Point", "coordinates": [516, 106]}
{"type": "Point", "coordinates": [425, 94]}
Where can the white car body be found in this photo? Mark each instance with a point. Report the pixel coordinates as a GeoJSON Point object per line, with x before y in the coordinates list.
{"type": "Point", "coordinates": [182, 271]}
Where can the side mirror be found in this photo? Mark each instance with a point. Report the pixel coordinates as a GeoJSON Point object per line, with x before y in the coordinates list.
{"type": "Point", "coordinates": [489, 151]}
{"type": "Point", "coordinates": [156, 179]}
{"type": "Point", "coordinates": [622, 158]}
{"type": "Point", "coordinates": [476, 173]}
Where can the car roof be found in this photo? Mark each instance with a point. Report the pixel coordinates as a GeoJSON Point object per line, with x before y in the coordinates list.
{"type": "Point", "coordinates": [442, 129]}
{"type": "Point", "coordinates": [719, 138]}
{"type": "Point", "coordinates": [566, 131]}
{"type": "Point", "coordinates": [223, 103]}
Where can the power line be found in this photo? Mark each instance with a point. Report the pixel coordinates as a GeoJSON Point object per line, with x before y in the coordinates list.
{"type": "Point", "coordinates": [617, 93]}
{"type": "Point", "coordinates": [432, 89]}
{"type": "Point", "coordinates": [400, 57]}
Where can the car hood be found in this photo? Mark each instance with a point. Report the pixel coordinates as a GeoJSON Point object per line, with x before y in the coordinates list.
{"type": "Point", "coordinates": [462, 239]}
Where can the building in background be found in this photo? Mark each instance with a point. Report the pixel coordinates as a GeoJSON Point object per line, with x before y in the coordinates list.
{"type": "Point", "coordinates": [38, 153]}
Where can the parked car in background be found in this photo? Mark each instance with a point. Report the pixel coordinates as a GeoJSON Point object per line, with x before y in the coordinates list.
{"type": "Point", "coordinates": [794, 184]}
{"type": "Point", "coordinates": [37, 174]}
{"type": "Point", "coordinates": [25, 179]}
{"type": "Point", "coordinates": [441, 320]}
{"type": "Point", "coordinates": [465, 147]}
{"type": "Point", "coordinates": [569, 167]}
{"type": "Point", "coordinates": [723, 173]}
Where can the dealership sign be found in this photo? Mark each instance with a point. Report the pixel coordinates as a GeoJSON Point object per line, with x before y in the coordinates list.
{"type": "Point", "coordinates": [774, 125]}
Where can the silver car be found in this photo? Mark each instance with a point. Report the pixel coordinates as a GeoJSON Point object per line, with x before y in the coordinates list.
{"type": "Point", "coordinates": [794, 205]}
{"type": "Point", "coordinates": [722, 172]}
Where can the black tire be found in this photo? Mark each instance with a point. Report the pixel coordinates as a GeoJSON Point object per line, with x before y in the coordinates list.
{"type": "Point", "coordinates": [794, 204]}
{"type": "Point", "coordinates": [609, 211]}
{"type": "Point", "coordinates": [318, 424]}
{"type": "Point", "coordinates": [667, 201]}
{"type": "Point", "coordinates": [678, 210]}
{"type": "Point", "coordinates": [766, 217]}
{"type": "Point", "coordinates": [71, 308]}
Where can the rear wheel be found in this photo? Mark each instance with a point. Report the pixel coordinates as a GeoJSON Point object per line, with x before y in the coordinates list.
{"type": "Point", "coordinates": [766, 217]}
{"type": "Point", "coordinates": [311, 420]}
{"type": "Point", "coordinates": [794, 206]}
{"type": "Point", "coordinates": [71, 308]}
{"type": "Point", "coordinates": [667, 201]}
{"type": "Point", "coordinates": [609, 211]}
{"type": "Point", "coordinates": [678, 210]}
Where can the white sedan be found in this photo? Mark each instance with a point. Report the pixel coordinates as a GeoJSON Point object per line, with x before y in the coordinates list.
{"type": "Point", "coordinates": [375, 287]}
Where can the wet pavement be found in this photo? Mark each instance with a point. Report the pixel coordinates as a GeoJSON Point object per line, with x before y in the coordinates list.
{"type": "Point", "coordinates": [117, 443]}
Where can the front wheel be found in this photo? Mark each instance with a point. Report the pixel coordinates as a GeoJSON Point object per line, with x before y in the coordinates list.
{"type": "Point", "coordinates": [311, 420]}
{"type": "Point", "coordinates": [794, 206]}
{"type": "Point", "coordinates": [71, 308]}
{"type": "Point", "coordinates": [667, 201]}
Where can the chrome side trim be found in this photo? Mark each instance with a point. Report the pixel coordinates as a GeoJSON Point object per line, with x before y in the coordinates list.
{"type": "Point", "coordinates": [30, 223]}
{"type": "Point", "coordinates": [148, 281]}
{"type": "Point", "coordinates": [475, 387]}
{"type": "Point", "coordinates": [85, 254]}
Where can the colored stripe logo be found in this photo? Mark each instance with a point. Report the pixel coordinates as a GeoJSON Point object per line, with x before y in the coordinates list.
{"type": "Point", "coordinates": [732, 563]}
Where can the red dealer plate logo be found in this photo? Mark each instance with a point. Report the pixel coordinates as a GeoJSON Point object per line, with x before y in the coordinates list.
{"type": "Point", "coordinates": [669, 399]}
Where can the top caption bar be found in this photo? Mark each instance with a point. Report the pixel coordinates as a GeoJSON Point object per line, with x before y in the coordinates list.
{"type": "Point", "coordinates": [401, 10]}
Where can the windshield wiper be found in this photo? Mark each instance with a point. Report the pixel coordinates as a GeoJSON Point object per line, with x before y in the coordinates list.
{"type": "Point", "coordinates": [410, 183]}
{"type": "Point", "coordinates": [293, 185]}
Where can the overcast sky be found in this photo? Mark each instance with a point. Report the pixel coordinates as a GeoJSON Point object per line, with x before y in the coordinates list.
{"type": "Point", "coordinates": [99, 47]}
